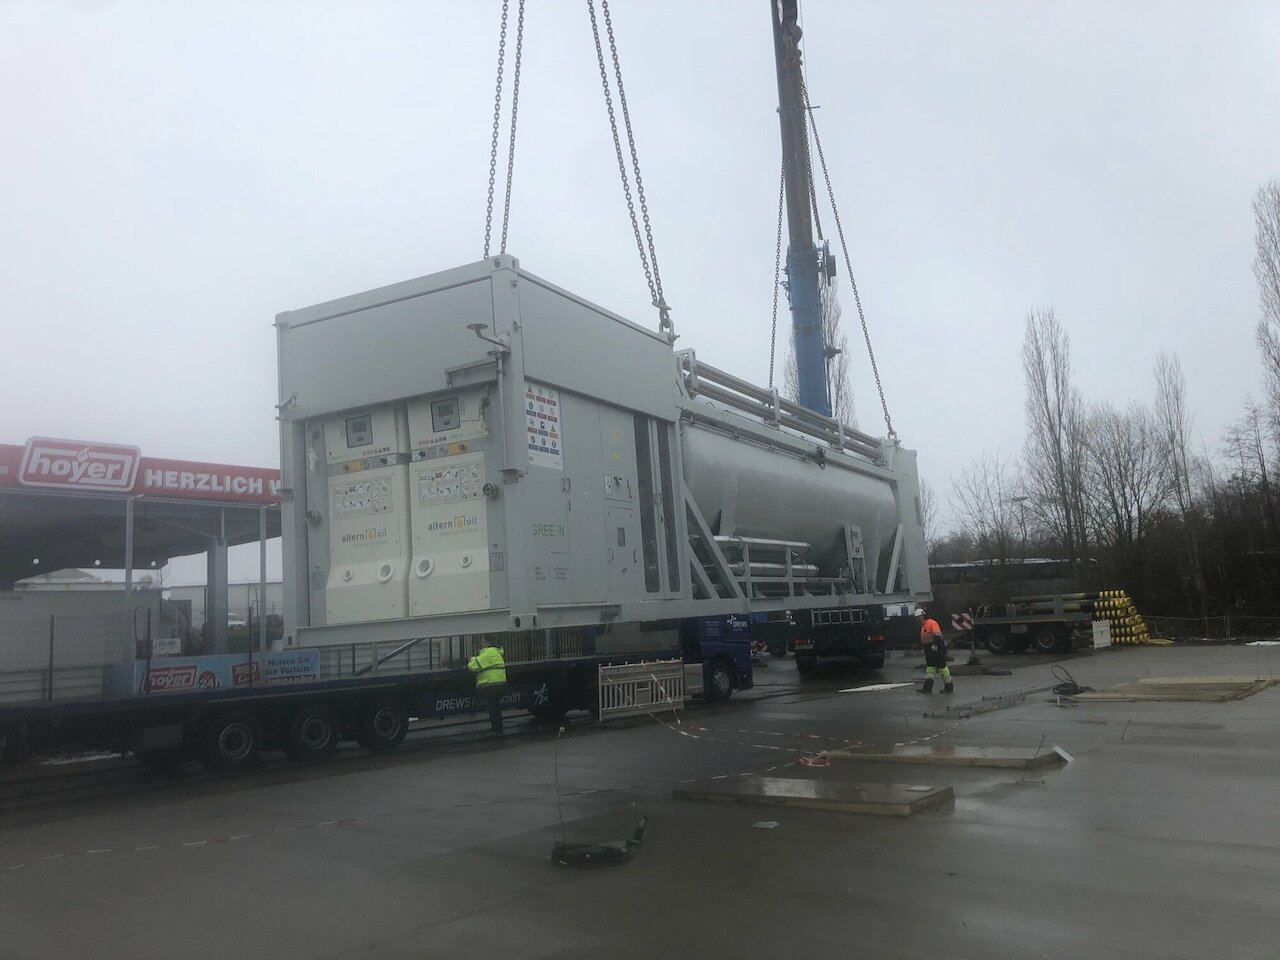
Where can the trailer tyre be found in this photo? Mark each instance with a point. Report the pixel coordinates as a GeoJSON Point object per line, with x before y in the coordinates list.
{"type": "Point", "coordinates": [233, 741]}
{"type": "Point", "coordinates": [874, 663]}
{"type": "Point", "coordinates": [778, 648]}
{"type": "Point", "coordinates": [313, 733]}
{"type": "Point", "coordinates": [1045, 640]}
{"type": "Point", "coordinates": [805, 666]}
{"type": "Point", "coordinates": [998, 642]}
{"type": "Point", "coordinates": [720, 683]}
{"type": "Point", "coordinates": [383, 724]}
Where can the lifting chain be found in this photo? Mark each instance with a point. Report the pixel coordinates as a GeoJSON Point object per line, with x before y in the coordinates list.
{"type": "Point", "coordinates": [497, 120]}
{"type": "Point", "coordinates": [777, 272]}
{"type": "Point", "coordinates": [649, 258]}
{"type": "Point", "coordinates": [844, 247]}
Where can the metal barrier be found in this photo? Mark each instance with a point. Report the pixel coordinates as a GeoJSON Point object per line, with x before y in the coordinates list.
{"type": "Point", "coordinates": [630, 689]}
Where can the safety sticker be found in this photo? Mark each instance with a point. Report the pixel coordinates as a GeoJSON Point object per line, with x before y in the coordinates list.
{"type": "Point", "coordinates": [542, 425]}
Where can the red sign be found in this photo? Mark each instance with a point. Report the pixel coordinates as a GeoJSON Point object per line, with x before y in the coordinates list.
{"type": "Point", "coordinates": [78, 465]}
{"type": "Point", "coordinates": [73, 465]}
{"type": "Point", "coordinates": [207, 481]}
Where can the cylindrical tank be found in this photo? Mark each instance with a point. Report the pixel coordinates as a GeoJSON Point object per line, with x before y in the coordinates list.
{"type": "Point", "coordinates": [747, 490]}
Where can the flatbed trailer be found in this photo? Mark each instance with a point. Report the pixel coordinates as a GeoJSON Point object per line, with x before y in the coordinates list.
{"type": "Point", "coordinates": [363, 694]}
{"type": "Point", "coordinates": [1009, 628]}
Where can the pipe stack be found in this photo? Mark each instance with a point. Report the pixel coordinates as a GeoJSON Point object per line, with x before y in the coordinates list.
{"type": "Point", "coordinates": [1127, 625]}
{"type": "Point", "coordinates": [1114, 606]}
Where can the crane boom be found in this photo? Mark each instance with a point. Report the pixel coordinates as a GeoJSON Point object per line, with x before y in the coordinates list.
{"type": "Point", "coordinates": [803, 257]}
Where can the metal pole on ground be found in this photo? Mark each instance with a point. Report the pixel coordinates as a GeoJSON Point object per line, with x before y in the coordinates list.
{"type": "Point", "coordinates": [49, 689]}
{"type": "Point", "coordinates": [262, 579]}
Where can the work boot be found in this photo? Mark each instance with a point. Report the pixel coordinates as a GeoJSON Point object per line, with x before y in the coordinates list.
{"type": "Point", "coordinates": [949, 687]}
{"type": "Point", "coordinates": [928, 686]}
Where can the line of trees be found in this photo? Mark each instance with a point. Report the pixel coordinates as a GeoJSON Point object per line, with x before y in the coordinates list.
{"type": "Point", "coordinates": [1121, 493]}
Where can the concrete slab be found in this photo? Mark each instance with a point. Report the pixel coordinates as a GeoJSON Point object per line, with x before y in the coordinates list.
{"type": "Point", "coordinates": [1183, 689]}
{"type": "Point", "coordinates": [877, 799]}
{"type": "Point", "coordinates": [998, 758]}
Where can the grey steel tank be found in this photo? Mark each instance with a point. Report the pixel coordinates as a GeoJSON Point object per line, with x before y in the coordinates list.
{"type": "Point", "coordinates": [747, 490]}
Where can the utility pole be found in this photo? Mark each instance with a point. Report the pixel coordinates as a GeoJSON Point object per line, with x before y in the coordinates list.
{"type": "Point", "coordinates": [803, 257]}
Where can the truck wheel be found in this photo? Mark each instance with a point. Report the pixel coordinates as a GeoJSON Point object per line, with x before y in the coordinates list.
{"type": "Point", "coordinates": [778, 650]}
{"type": "Point", "coordinates": [998, 642]}
{"type": "Point", "coordinates": [383, 724]}
{"type": "Point", "coordinates": [312, 734]}
{"type": "Point", "coordinates": [1045, 641]}
{"type": "Point", "coordinates": [874, 663]}
{"type": "Point", "coordinates": [805, 666]}
{"type": "Point", "coordinates": [721, 682]}
{"type": "Point", "coordinates": [232, 742]}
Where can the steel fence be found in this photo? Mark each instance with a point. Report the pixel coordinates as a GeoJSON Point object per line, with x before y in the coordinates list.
{"type": "Point", "coordinates": [1225, 627]}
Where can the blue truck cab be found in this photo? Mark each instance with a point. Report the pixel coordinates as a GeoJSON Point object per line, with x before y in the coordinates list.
{"type": "Point", "coordinates": [723, 646]}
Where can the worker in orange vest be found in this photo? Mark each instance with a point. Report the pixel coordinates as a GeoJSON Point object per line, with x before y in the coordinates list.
{"type": "Point", "coordinates": [935, 653]}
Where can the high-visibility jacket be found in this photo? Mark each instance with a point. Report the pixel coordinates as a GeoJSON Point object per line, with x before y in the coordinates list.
{"type": "Point", "coordinates": [928, 628]}
{"type": "Point", "coordinates": [488, 666]}
{"type": "Point", "coordinates": [935, 649]}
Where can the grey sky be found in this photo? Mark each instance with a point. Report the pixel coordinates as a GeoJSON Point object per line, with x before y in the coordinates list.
{"type": "Point", "coordinates": [177, 173]}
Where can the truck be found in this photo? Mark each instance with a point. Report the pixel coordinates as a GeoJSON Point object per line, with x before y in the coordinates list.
{"type": "Point", "coordinates": [1049, 625]}
{"type": "Point", "coordinates": [479, 453]}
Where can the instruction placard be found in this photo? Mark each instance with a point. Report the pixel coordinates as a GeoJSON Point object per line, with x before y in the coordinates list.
{"type": "Point", "coordinates": [542, 424]}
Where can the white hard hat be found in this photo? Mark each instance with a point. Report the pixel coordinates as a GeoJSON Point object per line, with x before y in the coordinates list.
{"type": "Point", "coordinates": [920, 612]}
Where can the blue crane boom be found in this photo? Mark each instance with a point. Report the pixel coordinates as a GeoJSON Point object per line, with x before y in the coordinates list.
{"type": "Point", "coordinates": [804, 259]}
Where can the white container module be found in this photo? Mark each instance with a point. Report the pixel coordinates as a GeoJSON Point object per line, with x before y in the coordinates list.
{"type": "Point", "coordinates": [480, 451]}
{"type": "Point", "coordinates": [449, 473]}
{"type": "Point", "coordinates": [366, 461]}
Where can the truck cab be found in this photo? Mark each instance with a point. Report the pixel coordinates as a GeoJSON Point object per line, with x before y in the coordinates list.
{"type": "Point", "coordinates": [723, 646]}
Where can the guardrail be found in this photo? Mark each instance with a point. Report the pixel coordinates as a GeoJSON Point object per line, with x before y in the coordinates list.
{"type": "Point", "coordinates": [631, 689]}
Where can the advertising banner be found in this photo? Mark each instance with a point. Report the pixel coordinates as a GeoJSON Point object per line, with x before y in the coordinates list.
{"type": "Point", "coordinates": [185, 674]}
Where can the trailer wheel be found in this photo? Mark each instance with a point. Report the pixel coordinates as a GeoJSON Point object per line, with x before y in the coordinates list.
{"type": "Point", "coordinates": [777, 648]}
{"type": "Point", "coordinates": [233, 741]}
{"type": "Point", "coordinates": [874, 663]}
{"type": "Point", "coordinates": [383, 724]}
{"type": "Point", "coordinates": [805, 666]}
{"type": "Point", "coordinates": [1045, 640]}
{"type": "Point", "coordinates": [312, 734]}
{"type": "Point", "coordinates": [721, 682]}
{"type": "Point", "coordinates": [998, 642]}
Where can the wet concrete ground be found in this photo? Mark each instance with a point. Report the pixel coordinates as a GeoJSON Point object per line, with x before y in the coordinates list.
{"type": "Point", "coordinates": [1159, 839]}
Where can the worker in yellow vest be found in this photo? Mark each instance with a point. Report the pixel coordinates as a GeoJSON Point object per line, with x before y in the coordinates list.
{"type": "Point", "coordinates": [491, 680]}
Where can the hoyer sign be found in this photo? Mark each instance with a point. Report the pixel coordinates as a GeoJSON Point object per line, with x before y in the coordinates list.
{"type": "Point", "coordinates": [104, 468]}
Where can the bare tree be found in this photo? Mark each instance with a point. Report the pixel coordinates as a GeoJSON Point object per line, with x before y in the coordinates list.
{"type": "Point", "coordinates": [1175, 429]}
{"type": "Point", "coordinates": [929, 518]}
{"type": "Point", "coordinates": [982, 501]}
{"type": "Point", "coordinates": [1246, 444]}
{"type": "Point", "coordinates": [1055, 445]}
{"type": "Point", "coordinates": [1266, 269]}
{"type": "Point", "coordinates": [836, 345]}
{"type": "Point", "coordinates": [1129, 480]}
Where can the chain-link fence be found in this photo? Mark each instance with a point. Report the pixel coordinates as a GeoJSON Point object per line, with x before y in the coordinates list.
{"type": "Point", "coordinates": [62, 657]}
{"type": "Point", "coordinates": [1222, 628]}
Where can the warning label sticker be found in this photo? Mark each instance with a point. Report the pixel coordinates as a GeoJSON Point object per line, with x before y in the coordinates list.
{"type": "Point", "coordinates": [542, 425]}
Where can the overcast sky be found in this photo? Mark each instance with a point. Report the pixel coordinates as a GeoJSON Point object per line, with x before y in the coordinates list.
{"type": "Point", "coordinates": [176, 173]}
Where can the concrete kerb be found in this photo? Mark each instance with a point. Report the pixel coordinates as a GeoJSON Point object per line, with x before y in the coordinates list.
{"type": "Point", "coordinates": [875, 799]}
{"type": "Point", "coordinates": [998, 758]}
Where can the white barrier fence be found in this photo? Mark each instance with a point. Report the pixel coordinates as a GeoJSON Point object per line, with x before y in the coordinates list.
{"type": "Point", "coordinates": [631, 689]}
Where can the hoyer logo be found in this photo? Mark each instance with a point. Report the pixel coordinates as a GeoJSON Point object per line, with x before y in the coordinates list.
{"type": "Point", "coordinates": [460, 522]}
{"type": "Point", "coordinates": [82, 466]}
{"type": "Point", "coordinates": [370, 535]}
